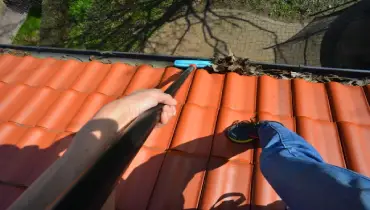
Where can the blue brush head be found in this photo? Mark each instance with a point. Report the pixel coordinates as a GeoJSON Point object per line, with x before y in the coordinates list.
{"type": "Point", "coordinates": [187, 63]}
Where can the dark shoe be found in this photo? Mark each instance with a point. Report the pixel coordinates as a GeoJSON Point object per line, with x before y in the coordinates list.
{"type": "Point", "coordinates": [243, 131]}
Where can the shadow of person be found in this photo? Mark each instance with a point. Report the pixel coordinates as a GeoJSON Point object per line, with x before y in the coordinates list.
{"type": "Point", "coordinates": [160, 182]}
{"type": "Point", "coordinates": [31, 164]}
{"type": "Point", "coordinates": [22, 166]}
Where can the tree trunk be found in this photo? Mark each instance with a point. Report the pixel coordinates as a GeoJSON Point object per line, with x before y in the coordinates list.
{"type": "Point", "coordinates": [54, 23]}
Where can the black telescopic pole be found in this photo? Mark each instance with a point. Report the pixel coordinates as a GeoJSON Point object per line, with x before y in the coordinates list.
{"type": "Point", "coordinates": [93, 187]}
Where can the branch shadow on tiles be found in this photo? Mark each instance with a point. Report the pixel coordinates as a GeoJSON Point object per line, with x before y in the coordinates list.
{"type": "Point", "coordinates": [234, 201]}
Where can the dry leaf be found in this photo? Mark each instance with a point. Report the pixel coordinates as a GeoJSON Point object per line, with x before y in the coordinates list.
{"type": "Point", "coordinates": [244, 67]}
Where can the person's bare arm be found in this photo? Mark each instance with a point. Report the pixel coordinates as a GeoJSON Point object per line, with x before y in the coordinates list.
{"type": "Point", "coordinates": [88, 144]}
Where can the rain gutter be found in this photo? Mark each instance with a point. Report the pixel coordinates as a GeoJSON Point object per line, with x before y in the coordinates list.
{"type": "Point", "coordinates": [171, 58]}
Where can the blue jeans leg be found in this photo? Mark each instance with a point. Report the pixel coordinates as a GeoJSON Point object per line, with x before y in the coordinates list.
{"type": "Point", "coordinates": [302, 179]}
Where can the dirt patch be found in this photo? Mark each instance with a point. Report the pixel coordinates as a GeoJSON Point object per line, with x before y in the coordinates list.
{"type": "Point", "coordinates": [243, 66]}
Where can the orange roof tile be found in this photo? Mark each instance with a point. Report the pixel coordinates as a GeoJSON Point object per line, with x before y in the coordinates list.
{"type": "Point", "coordinates": [43, 102]}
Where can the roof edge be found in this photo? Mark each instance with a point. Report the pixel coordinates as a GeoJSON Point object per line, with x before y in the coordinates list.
{"type": "Point", "coordinates": [172, 58]}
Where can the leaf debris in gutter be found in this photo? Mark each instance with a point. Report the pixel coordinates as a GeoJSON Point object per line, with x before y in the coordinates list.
{"type": "Point", "coordinates": [241, 66]}
{"type": "Point", "coordinates": [18, 53]}
{"type": "Point", "coordinates": [244, 67]}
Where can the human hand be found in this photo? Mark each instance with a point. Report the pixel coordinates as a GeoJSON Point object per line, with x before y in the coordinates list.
{"type": "Point", "coordinates": [128, 108]}
{"type": "Point", "coordinates": [113, 117]}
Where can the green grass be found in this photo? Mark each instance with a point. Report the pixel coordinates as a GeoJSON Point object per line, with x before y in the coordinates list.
{"type": "Point", "coordinates": [78, 9]}
{"type": "Point", "coordinates": [300, 8]}
{"type": "Point", "coordinates": [286, 10]}
{"type": "Point", "coordinates": [29, 33]}
{"type": "Point", "coordinates": [115, 25]}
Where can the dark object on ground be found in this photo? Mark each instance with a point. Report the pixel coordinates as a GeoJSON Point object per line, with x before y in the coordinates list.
{"type": "Point", "coordinates": [22, 6]}
{"type": "Point", "coordinates": [346, 43]}
{"type": "Point", "coordinates": [244, 67]}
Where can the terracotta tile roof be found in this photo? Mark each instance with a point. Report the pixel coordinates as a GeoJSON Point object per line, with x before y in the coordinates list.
{"type": "Point", "coordinates": [189, 163]}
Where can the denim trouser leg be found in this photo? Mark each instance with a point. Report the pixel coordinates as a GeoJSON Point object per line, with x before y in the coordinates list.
{"type": "Point", "coordinates": [302, 179]}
